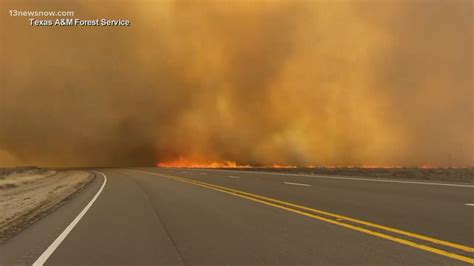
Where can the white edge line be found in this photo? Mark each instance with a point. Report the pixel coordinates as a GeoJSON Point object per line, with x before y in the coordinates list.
{"type": "Point", "coordinates": [469, 204]}
{"type": "Point", "coordinates": [347, 178]}
{"type": "Point", "coordinates": [297, 184]}
{"type": "Point", "coordinates": [49, 251]}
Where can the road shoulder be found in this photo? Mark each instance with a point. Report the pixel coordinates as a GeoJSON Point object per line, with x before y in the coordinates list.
{"type": "Point", "coordinates": [26, 246]}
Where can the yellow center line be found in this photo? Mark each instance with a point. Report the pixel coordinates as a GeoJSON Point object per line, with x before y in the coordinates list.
{"type": "Point", "coordinates": [337, 216]}
{"type": "Point", "coordinates": [264, 200]}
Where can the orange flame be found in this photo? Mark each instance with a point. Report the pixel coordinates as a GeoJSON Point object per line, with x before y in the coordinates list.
{"type": "Point", "coordinates": [191, 163]}
{"type": "Point", "coordinates": [282, 166]}
{"type": "Point", "coordinates": [186, 163]}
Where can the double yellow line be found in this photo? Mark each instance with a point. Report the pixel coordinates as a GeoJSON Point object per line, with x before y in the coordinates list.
{"type": "Point", "coordinates": [355, 224]}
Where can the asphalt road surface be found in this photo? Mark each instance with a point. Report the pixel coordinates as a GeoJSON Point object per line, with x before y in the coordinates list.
{"type": "Point", "coordinates": [151, 216]}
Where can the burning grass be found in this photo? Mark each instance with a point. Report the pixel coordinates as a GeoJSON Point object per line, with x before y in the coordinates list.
{"type": "Point", "coordinates": [186, 163]}
{"type": "Point", "coordinates": [464, 175]}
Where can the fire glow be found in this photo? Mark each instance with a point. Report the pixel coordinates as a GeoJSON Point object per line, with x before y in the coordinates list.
{"type": "Point", "coordinates": [191, 163]}
{"type": "Point", "coordinates": [186, 163]}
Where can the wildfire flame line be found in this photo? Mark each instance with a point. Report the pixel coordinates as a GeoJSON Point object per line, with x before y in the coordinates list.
{"type": "Point", "coordinates": [185, 163]}
{"type": "Point", "coordinates": [191, 163]}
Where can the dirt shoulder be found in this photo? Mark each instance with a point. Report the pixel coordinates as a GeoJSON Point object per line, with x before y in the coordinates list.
{"type": "Point", "coordinates": [26, 197]}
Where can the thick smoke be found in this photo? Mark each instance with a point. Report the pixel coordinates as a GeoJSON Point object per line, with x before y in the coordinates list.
{"type": "Point", "coordinates": [257, 82]}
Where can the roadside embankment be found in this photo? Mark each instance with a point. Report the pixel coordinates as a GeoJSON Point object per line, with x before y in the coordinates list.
{"type": "Point", "coordinates": [26, 196]}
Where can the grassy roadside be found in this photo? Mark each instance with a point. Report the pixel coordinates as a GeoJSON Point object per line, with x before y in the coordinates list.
{"type": "Point", "coordinates": [30, 196]}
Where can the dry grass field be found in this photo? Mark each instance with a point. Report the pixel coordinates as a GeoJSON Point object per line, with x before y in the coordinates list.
{"type": "Point", "coordinates": [28, 193]}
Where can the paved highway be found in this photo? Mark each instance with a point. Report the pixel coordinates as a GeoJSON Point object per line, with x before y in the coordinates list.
{"type": "Point", "coordinates": [151, 216]}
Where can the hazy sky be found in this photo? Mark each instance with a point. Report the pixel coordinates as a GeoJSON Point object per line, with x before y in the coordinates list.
{"type": "Point", "coordinates": [376, 82]}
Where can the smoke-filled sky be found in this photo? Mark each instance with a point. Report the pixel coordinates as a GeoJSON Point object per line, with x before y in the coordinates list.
{"type": "Point", "coordinates": [374, 82]}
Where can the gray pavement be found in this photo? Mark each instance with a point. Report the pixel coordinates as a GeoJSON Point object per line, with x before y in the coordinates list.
{"type": "Point", "coordinates": [143, 217]}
